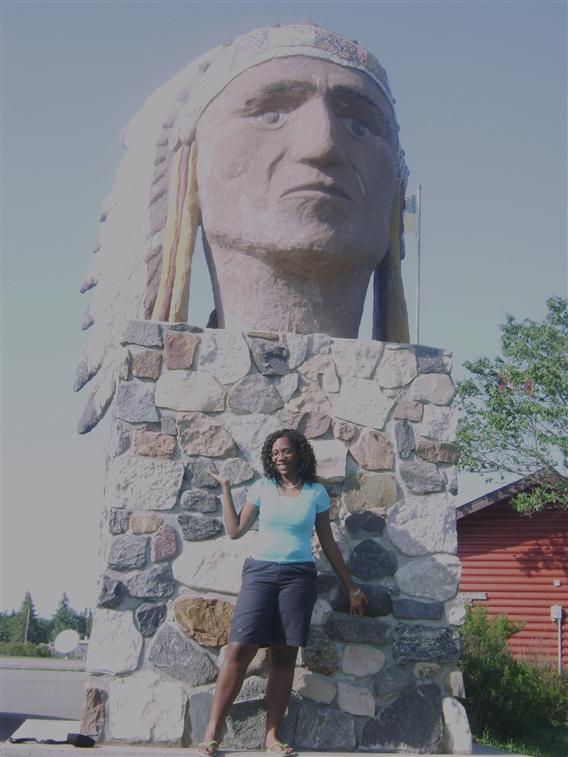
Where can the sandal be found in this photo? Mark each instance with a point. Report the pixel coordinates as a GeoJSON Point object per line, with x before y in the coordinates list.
{"type": "Point", "coordinates": [204, 746]}
{"type": "Point", "coordinates": [280, 747]}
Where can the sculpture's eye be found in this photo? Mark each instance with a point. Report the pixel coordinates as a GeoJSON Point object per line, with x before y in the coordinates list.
{"type": "Point", "coordinates": [272, 118]}
{"type": "Point", "coordinates": [357, 127]}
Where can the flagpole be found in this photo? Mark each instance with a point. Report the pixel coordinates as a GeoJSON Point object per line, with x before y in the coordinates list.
{"type": "Point", "coordinates": [419, 212]}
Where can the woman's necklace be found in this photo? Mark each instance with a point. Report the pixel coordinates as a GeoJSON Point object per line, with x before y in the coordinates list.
{"type": "Point", "coordinates": [290, 487]}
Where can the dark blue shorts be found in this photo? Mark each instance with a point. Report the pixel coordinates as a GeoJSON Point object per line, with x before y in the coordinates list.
{"type": "Point", "coordinates": [275, 603]}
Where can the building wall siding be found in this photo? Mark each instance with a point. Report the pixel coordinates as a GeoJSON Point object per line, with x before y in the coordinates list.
{"type": "Point", "coordinates": [515, 560]}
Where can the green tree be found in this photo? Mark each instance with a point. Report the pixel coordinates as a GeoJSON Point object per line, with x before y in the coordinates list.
{"type": "Point", "coordinates": [514, 408]}
{"type": "Point", "coordinates": [66, 617]}
{"type": "Point", "coordinates": [25, 623]}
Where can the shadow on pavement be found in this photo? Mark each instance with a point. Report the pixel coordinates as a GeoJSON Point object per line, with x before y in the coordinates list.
{"type": "Point", "coordinates": [10, 721]}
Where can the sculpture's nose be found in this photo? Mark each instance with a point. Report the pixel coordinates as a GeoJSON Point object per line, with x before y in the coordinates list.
{"type": "Point", "coordinates": [317, 137]}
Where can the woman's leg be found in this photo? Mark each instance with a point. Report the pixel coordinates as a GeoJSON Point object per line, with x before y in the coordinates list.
{"type": "Point", "coordinates": [231, 676]}
{"type": "Point", "coordinates": [279, 686]}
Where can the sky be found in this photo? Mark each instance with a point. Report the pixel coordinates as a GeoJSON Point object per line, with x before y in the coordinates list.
{"type": "Point", "coordinates": [481, 102]}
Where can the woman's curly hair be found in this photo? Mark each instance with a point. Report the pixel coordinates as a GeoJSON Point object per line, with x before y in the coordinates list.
{"type": "Point", "coordinates": [307, 460]}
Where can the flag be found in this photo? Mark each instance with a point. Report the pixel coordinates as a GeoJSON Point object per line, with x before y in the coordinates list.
{"type": "Point", "coordinates": [410, 214]}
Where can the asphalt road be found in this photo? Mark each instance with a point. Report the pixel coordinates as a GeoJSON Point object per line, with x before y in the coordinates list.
{"type": "Point", "coordinates": [38, 693]}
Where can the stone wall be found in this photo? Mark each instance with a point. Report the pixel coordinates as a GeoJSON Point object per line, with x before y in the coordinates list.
{"type": "Point", "coordinates": [378, 418]}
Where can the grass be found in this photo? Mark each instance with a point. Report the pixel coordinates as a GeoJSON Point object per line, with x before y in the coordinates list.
{"type": "Point", "coordinates": [550, 743]}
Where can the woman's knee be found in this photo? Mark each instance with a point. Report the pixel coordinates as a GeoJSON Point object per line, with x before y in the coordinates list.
{"type": "Point", "coordinates": [239, 654]}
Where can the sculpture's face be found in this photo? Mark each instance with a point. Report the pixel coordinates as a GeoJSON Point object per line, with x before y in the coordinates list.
{"type": "Point", "coordinates": [298, 154]}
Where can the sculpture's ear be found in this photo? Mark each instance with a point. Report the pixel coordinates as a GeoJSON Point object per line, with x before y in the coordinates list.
{"type": "Point", "coordinates": [390, 317]}
{"type": "Point", "coordinates": [182, 222]}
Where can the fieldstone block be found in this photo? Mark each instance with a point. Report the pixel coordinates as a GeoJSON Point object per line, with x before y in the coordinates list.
{"type": "Point", "coordinates": [404, 439]}
{"type": "Point", "coordinates": [433, 577]}
{"type": "Point", "coordinates": [392, 680]}
{"type": "Point", "coordinates": [370, 560]}
{"type": "Point", "coordinates": [361, 661]}
{"type": "Point", "coordinates": [185, 391]}
{"type": "Point", "coordinates": [253, 687]}
{"type": "Point", "coordinates": [297, 349]}
{"type": "Point", "coordinates": [135, 403]}
{"type": "Point", "coordinates": [437, 452]}
{"type": "Point", "coordinates": [348, 629]}
{"type": "Point", "coordinates": [356, 358]}
{"type": "Point", "coordinates": [181, 658]}
{"type": "Point", "coordinates": [364, 523]}
{"type": "Point", "coordinates": [319, 344]}
{"type": "Point", "coordinates": [397, 368]}
{"type": "Point", "coordinates": [169, 425]}
{"type": "Point", "coordinates": [199, 435]}
{"type": "Point", "coordinates": [408, 410]}
{"type": "Point", "coordinates": [439, 423]}
{"type": "Point", "coordinates": [379, 599]}
{"type": "Point", "coordinates": [324, 729]}
{"type": "Point", "coordinates": [270, 358]}
{"type": "Point", "coordinates": [355, 700]}
{"type": "Point", "coordinates": [197, 473]}
{"type": "Point", "coordinates": [144, 483]}
{"type": "Point", "coordinates": [146, 707]}
{"type": "Point", "coordinates": [313, 425]}
{"type": "Point", "coordinates": [164, 544]}
{"type": "Point", "coordinates": [246, 723]}
{"type": "Point", "coordinates": [197, 529]}
{"type": "Point", "coordinates": [148, 617]}
{"type": "Point", "coordinates": [145, 524]}
{"type": "Point", "coordinates": [127, 552]}
{"type": "Point", "coordinates": [415, 643]}
{"type": "Point", "coordinates": [432, 360]}
{"type": "Point", "coordinates": [369, 491]}
{"type": "Point", "coordinates": [286, 385]}
{"type": "Point", "coordinates": [224, 355]}
{"type": "Point", "coordinates": [320, 655]}
{"type": "Point", "coordinates": [254, 394]}
{"type": "Point", "coordinates": [179, 349]}
{"type": "Point", "coordinates": [115, 644]}
{"type": "Point", "coordinates": [454, 685]}
{"type": "Point", "coordinates": [147, 364]}
{"type": "Point", "coordinates": [198, 715]}
{"type": "Point", "coordinates": [153, 444]}
{"type": "Point", "coordinates": [451, 478]}
{"type": "Point", "coordinates": [404, 607]}
{"type": "Point", "coordinates": [111, 592]}
{"type": "Point", "coordinates": [426, 670]}
{"type": "Point", "coordinates": [455, 611]}
{"type": "Point", "coordinates": [343, 430]}
{"type": "Point", "coordinates": [457, 733]}
{"type": "Point", "coordinates": [310, 400]}
{"type": "Point", "coordinates": [207, 565]}
{"type": "Point", "coordinates": [413, 722]}
{"type": "Point", "coordinates": [118, 521]}
{"type": "Point", "coordinates": [321, 612]}
{"type": "Point", "coordinates": [321, 369]}
{"type": "Point", "coordinates": [433, 387]}
{"type": "Point", "coordinates": [373, 451]}
{"type": "Point", "coordinates": [154, 582]}
{"type": "Point", "coordinates": [361, 401]}
{"type": "Point", "coordinates": [93, 712]}
{"type": "Point", "coordinates": [420, 477]}
{"type": "Point", "coordinates": [236, 470]}
{"type": "Point", "coordinates": [423, 525]}
{"type": "Point", "coordinates": [144, 333]}
{"type": "Point", "coordinates": [332, 458]}
{"type": "Point", "coordinates": [199, 501]}
{"type": "Point", "coordinates": [206, 620]}
{"type": "Point", "coordinates": [325, 582]}
{"type": "Point", "coordinates": [313, 686]}
{"type": "Point", "coordinates": [250, 431]}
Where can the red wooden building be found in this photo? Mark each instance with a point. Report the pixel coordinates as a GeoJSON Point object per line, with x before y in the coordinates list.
{"type": "Point", "coordinates": [518, 566]}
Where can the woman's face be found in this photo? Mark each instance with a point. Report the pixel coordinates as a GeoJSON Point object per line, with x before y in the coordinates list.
{"type": "Point", "coordinates": [285, 457]}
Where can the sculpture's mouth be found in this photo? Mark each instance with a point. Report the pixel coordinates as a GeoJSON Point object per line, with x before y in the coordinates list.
{"type": "Point", "coordinates": [331, 189]}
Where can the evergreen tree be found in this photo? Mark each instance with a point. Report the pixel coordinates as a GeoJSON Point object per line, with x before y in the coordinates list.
{"type": "Point", "coordinates": [65, 617]}
{"type": "Point", "coordinates": [25, 624]}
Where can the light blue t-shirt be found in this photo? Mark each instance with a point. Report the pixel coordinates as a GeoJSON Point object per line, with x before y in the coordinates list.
{"type": "Point", "coordinates": [286, 523]}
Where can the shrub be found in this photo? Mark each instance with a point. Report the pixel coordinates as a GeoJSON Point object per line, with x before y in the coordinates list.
{"type": "Point", "coordinates": [507, 698]}
{"type": "Point", "coordinates": [23, 649]}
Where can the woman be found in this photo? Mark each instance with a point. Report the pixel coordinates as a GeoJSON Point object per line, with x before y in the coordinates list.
{"type": "Point", "coordinates": [278, 588]}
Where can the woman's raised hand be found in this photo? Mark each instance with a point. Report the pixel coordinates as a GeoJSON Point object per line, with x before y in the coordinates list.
{"type": "Point", "coordinates": [219, 479]}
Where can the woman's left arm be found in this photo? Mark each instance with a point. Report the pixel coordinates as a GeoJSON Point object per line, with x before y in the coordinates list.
{"type": "Point", "coordinates": [357, 599]}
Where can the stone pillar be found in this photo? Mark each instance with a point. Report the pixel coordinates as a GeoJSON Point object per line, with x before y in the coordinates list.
{"type": "Point", "coordinates": [378, 418]}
